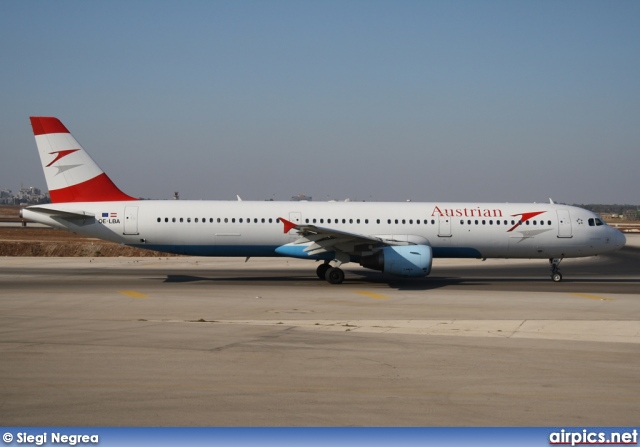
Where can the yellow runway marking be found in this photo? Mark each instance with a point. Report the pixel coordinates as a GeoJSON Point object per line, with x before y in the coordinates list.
{"type": "Point", "coordinates": [592, 297]}
{"type": "Point", "coordinates": [375, 296]}
{"type": "Point", "coordinates": [133, 294]}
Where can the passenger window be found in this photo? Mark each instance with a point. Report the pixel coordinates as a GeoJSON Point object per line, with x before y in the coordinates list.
{"type": "Point", "coordinates": [358, 221]}
{"type": "Point", "coordinates": [181, 219]}
{"type": "Point", "coordinates": [226, 220]}
{"type": "Point", "coordinates": [195, 220]}
{"type": "Point", "coordinates": [433, 222]}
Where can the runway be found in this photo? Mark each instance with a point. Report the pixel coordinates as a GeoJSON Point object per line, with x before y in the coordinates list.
{"type": "Point", "coordinates": [221, 342]}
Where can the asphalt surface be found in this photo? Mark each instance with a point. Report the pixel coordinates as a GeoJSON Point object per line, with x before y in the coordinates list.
{"type": "Point", "coordinates": [221, 342]}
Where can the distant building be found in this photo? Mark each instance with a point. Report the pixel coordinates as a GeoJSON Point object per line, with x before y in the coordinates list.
{"type": "Point", "coordinates": [6, 198]}
{"type": "Point", "coordinates": [301, 198]}
{"type": "Point", "coordinates": [30, 195]}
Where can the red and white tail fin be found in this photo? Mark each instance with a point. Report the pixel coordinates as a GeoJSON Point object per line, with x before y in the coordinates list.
{"type": "Point", "coordinates": [71, 174]}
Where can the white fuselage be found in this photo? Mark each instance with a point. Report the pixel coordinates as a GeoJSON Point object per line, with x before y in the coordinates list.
{"type": "Point", "coordinates": [249, 228]}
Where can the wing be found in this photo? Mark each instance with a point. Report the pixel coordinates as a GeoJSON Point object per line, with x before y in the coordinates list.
{"type": "Point", "coordinates": [321, 240]}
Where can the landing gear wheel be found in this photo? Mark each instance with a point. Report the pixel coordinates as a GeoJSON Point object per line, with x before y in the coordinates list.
{"type": "Point", "coordinates": [556, 276]}
{"type": "Point", "coordinates": [334, 275]}
{"type": "Point", "coordinates": [321, 271]}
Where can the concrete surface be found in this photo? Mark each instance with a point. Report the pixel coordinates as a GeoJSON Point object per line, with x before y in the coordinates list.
{"type": "Point", "coordinates": [220, 342]}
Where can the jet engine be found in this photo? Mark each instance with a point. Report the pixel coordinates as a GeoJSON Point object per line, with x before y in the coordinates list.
{"type": "Point", "coordinates": [404, 260]}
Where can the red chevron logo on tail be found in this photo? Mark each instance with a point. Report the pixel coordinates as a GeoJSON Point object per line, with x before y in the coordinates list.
{"type": "Point", "coordinates": [61, 154]}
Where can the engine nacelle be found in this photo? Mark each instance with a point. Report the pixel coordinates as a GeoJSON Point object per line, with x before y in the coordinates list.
{"type": "Point", "coordinates": [405, 260]}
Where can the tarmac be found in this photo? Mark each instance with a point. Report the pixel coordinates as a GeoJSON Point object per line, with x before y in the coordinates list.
{"type": "Point", "coordinates": [223, 342]}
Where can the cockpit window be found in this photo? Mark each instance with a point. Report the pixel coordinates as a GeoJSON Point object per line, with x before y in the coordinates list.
{"type": "Point", "coordinates": [595, 222]}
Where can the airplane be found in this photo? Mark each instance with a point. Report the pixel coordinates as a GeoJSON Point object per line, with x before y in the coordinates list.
{"type": "Point", "coordinates": [397, 238]}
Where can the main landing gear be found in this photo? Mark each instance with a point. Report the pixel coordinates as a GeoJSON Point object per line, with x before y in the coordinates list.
{"type": "Point", "coordinates": [333, 275]}
{"type": "Point", "coordinates": [556, 276]}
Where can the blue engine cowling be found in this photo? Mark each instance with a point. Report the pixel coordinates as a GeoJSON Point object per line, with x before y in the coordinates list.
{"type": "Point", "coordinates": [404, 260]}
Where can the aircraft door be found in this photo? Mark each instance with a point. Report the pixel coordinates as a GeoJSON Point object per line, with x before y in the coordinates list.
{"type": "Point", "coordinates": [131, 220]}
{"type": "Point", "coordinates": [444, 226]}
{"type": "Point", "coordinates": [297, 219]}
{"type": "Point", "coordinates": [564, 223]}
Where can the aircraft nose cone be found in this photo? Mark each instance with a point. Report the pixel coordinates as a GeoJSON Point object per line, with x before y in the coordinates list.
{"type": "Point", "coordinates": [621, 239]}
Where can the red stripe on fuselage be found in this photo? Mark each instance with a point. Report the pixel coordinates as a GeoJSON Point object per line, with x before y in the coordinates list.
{"type": "Point", "coordinates": [524, 217]}
{"type": "Point", "coordinates": [44, 125]}
{"type": "Point", "coordinates": [98, 189]}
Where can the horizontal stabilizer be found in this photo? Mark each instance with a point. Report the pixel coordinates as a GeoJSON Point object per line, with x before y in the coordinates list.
{"type": "Point", "coordinates": [55, 212]}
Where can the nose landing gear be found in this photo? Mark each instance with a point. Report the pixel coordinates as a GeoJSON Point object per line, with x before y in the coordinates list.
{"type": "Point", "coordinates": [556, 276]}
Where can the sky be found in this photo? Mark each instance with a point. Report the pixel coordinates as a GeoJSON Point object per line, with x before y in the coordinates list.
{"type": "Point", "coordinates": [490, 101]}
